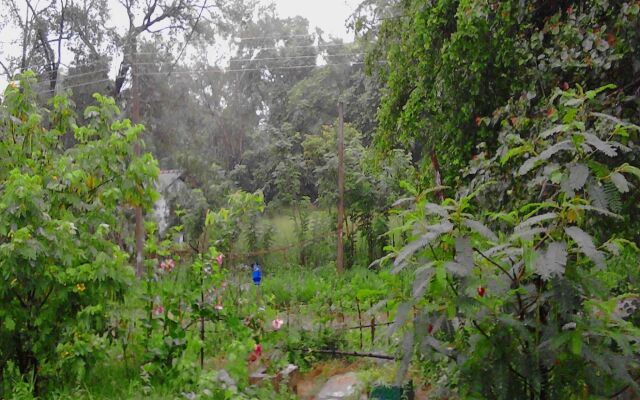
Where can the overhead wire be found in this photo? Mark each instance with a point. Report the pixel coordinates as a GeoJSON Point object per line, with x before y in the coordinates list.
{"type": "Point", "coordinates": [67, 77]}
{"type": "Point", "coordinates": [273, 37]}
{"type": "Point", "coordinates": [71, 77]}
{"type": "Point", "coordinates": [285, 58]}
{"type": "Point", "coordinates": [76, 85]}
{"type": "Point", "coordinates": [295, 57]}
{"type": "Point", "coordinates": [318, 46]}
{"type": "Point", "coordinates": [200, 71]}
{"type": "Point", "coordinates": [274, 68]}
{"type": "Point", "coordinates": [223, 71]}
{"type": "Point", "coordinates": [28, 67]}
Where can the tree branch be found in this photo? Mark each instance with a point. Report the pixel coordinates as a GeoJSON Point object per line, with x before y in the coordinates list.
{"type": "Point", "coordinates": [501, 268]}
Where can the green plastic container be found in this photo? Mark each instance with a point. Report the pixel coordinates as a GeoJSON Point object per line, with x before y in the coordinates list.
{"type": "Point", "coordinates": [393, 392]}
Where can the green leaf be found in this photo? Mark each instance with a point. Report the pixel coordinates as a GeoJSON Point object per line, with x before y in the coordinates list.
{"type": "Point", "coordinates": [575, 343]}
{"type": "Point", "coordinates": [526, 148]}
{"type": "Point", "coordinates": [591, 94]}
{"type": "Point", "coordinates": [9, 324]}
{"type": "Point", "coordinates": [630, 169]}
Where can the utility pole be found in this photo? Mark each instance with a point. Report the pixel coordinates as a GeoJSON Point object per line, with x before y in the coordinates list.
{"type": "Point", "coordinates": [340, 249]}
{"type": "Point", "coordinates": [135, 119]}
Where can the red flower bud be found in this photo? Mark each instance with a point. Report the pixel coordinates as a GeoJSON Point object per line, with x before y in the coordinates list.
{"type": "Point", "coordinates": [481, 291]}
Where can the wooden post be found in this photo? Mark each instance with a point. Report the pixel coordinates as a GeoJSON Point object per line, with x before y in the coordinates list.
{"type": "Point", "coordinates": [359, 321]}
{"type": "Point", "coordinates": [373, 324]}
{"type": "Point", "coordinates": [135, 119]}
{"type": "Point", "coordinates": [340, 249]}
{"type": "Point", "coordinates": [203, 248]}
{"type": "Point", "coordinates": [388, 336]}
{"type": "Point", "coordinates": [201, 319]}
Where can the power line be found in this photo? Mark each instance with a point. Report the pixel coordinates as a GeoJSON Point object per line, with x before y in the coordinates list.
{"type": "Point", "coordinates": [311, 46]}
{"type": "Point", "coordinates": [62, 78]}
{"type": "Point", "coordinates": [285, 58]}
{"type": "Point", "coordinates": [42, 65]}
{"type": "Point", "coordinates": [199, 71]}
{"type": "Point", "coordinates": [274, 37]}
{"type": "Point", "coordinates": [76, 85]}
{"type": "Point", "coordinates": [317, 46]}
{"type": "Point", "coordinates": [252, 69]}
{"type": "Point", "coordinates": [296, 57]}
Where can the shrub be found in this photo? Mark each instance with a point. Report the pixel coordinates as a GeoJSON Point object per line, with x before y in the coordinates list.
{"type": "Point", "coordinates": [60, 213]}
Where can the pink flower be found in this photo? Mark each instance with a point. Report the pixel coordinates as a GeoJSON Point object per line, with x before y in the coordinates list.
{"type": "Point", "coordinates": [277, 323]}
{"type": "Point", "coordinates": [219, 259]}
{"type": "Point", "coordinates": [158, 310]}
{"type": "Point", "coordinates": [256, 353]}
{"type": "Point", "coordinates": [167, 265]}
{"type": "Point", "coordinates": [218, 306]}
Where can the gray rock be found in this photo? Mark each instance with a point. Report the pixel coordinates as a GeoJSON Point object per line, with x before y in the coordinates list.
{"type": "Point", "coordinates": [226, 379]}
{"type": "Point", "coordinates": [342, 387]}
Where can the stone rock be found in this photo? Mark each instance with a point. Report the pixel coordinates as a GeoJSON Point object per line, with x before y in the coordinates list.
{"type": "Point", "coordinates": [290, 375]}
{"type": "Point", "coordinates": [225, 379]}
{"type": "Point", "coordinates": [258, 376]}
{"type": "Point", "coordinates": [342, 387]}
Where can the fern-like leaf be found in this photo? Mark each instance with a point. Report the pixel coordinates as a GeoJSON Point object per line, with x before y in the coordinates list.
{"type": "Point", "coordinates": [597, 195]}
{"type": "Point", "coordinates": [464, 258]}
{"type": "Point", "coordinates": [578, 175]}
{"type": "Point", "coordinates": [552, 262]}
{"type": "Point", "coordinates": [585, 243]}
{"type": "Point", "coordinates": [620, 182]}
{"type": "Point", "coordinates": [434, 232]}
{"type": "Point", "coordinates": [532, 162]}
{"type": "Point", "coordinates": [614, 199]}
{"type": "Point", "coordinates": [600, 145]}
{"type": "Point", "coordinates": [423, 276]}
{"type": "Point", "coordinates": [481, 229]}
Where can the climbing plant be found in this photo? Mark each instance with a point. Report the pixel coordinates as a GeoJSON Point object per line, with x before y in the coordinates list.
{"type": "Point", "coordinates": [446, 63]}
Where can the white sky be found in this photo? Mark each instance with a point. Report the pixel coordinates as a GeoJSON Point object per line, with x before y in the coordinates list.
{"type": "Point", "coordinates": [328, 15]}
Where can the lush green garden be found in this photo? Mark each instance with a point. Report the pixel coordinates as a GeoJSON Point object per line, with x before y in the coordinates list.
{"type": "Point", "coordinates": [490, 236]}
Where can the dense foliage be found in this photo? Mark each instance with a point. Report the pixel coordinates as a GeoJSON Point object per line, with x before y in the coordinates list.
{"type": "Point", "coordinates": [62, 267]}
{"type": "Point", "coordinates": [514, 278]}
{"type": "Point", "coordinates": [546, 305]}
{"type": "Point", "coordinates": [451, 62]}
